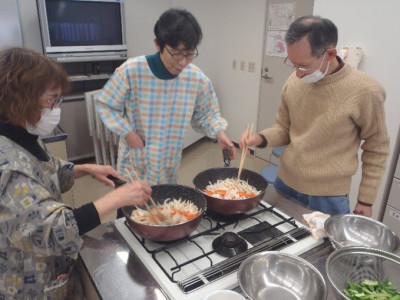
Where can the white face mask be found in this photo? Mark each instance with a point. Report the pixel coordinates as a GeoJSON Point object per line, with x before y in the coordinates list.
{"type": "Point", "coordinates": [49, 119]}
{"type": "Point", "coordinates": [316, 75]}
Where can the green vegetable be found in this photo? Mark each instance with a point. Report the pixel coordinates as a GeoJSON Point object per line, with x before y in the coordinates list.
{"type": "Point", "coordinates": [372, 290]}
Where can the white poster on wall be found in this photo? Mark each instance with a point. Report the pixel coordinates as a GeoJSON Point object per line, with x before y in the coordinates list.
{"type": "Point", "coordinates": [280, 16]}
{"type": "Point", "coordinates": [276, 43]}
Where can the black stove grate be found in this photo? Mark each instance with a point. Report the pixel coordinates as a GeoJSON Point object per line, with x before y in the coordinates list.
{"type": "Point", "coordinates": [232, 264]}
{"type": "Point", "coordinates": [262, 236]}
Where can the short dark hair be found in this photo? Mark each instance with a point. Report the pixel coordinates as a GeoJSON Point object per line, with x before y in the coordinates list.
{"type": "Point", "coordinates": [24, 77]}
{"type": "Point", "coordinates": [320, 32]}
{"type": "Point", "coordinates": [177, 26]}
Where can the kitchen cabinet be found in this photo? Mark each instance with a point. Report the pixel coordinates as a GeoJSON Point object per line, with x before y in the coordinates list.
{"type": "Point", "coordinates": [391, 215]}
{"type": "Point", "coordinates": [84, 77]}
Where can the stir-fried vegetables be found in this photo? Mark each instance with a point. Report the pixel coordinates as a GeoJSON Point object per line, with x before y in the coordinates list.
{"type": "Point", "coordinates": [231, 189]}
{"type": "Point", "coordinates": [372, 290]}
{"type": "Point", "coordinates": [173, 211]}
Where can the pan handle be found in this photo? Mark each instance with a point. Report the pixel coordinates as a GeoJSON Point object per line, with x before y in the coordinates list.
{"type": "Point", "coordinates": [117, 182]}
{"type": "Point", "coordinates": [227, 159]}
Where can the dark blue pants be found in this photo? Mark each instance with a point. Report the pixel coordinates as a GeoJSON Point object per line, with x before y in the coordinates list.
{"type": "Point", "coordinates": [327, 204]}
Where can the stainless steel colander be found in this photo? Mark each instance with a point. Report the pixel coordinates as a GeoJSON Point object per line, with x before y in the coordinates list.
{"type": "Point", "coordinates": [359, 263]}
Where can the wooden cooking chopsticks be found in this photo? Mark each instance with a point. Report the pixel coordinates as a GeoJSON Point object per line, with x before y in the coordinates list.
{"type": "Point", "coordinates": [151, 199]}
{"type": "Point", "coordinates": [147, 206]}
{"type": "Point", "coordinates": [249, 130]}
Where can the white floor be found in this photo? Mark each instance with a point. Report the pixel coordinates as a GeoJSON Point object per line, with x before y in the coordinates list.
{"type": "Point", "coordinates": [201, 155]}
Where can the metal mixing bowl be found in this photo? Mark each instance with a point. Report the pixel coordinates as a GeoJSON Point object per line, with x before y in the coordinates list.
{"type": "Point", "coordinates": [346, 230]}
{"type": "Point", "coordinates": [359, 263]}
{"type": "Point", "coordinates": [278, 275]}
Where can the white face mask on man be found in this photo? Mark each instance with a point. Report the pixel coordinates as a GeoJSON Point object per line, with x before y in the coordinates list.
{"type": "Point", "coordinates": [49, 119]}
{"type": "Point", "coordinates": [317, 75]}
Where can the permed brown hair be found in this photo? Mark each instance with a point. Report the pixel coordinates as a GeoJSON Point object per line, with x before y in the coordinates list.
{"type": "Point", "coordinates": [24, 77]}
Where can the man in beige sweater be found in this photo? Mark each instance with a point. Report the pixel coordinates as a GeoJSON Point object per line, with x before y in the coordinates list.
{"type": "Point", "coordinates": [327, 110]}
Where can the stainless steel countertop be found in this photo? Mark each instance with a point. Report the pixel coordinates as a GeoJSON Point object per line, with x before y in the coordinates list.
{"type": "Point", "coordinates": [116, 273]}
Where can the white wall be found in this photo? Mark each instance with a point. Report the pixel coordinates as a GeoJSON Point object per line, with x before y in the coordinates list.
{"type": "Point", "coordinates": [10, 29]}
{"type": "Point", "coordinates": [240, 37]}
{"type": "Point", "coordinates": [27, 10]}
{"type": "Point", "coordinates": [140, 18]}
{"type": "Point", "coordinates": [360, 24]}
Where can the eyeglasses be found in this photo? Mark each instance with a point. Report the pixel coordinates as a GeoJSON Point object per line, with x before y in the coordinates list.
{"type": "Point", "coordinates": [302, 69]}
{"type": "Point", "coordinates": [179, 56]}
{"type": "Point", "coordinates": [55, 102]}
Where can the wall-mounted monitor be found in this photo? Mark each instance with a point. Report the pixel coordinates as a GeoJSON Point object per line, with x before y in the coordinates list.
{"type": "Point", "coordinates": [83, 30]}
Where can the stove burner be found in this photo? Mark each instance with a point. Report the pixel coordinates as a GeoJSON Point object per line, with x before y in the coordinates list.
{"type": "Point", "coordinates": [229, 244]}
{"type": "Point", "coordinates": [224, 218]}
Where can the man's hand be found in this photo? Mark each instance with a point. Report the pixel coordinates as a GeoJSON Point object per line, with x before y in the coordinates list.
{"type": "Point", "coordinates": [363, 210]}
{"type": "Point", "coordinates": [254, 140]}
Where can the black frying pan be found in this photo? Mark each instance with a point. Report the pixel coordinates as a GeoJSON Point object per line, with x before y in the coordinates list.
{"type": "Point", "coordinates": [161, 192]}
{"type": "Point", "coordinates": [230, 206]}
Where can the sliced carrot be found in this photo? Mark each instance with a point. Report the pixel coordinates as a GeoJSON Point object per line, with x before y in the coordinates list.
{"type": "Point", "coordinates": [208, 192]}
{"type": "Point", "coordinates": [190, 215]}
{"type": "Point", "coordinates": [222, 193]}
{"type": "Point", "coordinates": [245, 194]}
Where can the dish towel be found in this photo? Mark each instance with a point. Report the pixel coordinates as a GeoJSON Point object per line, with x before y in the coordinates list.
{"type": "Point", "coordinates": [315, 222]}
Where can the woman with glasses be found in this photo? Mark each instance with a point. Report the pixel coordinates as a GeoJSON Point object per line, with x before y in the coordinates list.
{"type": "Point", "coordinates": [150, 101]}
{"type": "Point", "coordinates": [40, 236]}
{"type": "Point", "coordinates": [327, 110]}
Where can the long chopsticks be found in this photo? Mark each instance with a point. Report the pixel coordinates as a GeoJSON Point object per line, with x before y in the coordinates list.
{"type": "Point", "coordinates": [249, 130]}
{"type": "Point", "coordinates": [151, 199]}
{"type": "Point", "coordinates": [147, 206]}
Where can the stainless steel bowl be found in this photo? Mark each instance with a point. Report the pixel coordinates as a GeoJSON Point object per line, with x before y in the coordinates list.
{"type": "Point", "coordinates": [278, 275]}
{"type": "Point", "coordinates": [359, 263]}
{"type": "Point", "coordinates": [346, 230]}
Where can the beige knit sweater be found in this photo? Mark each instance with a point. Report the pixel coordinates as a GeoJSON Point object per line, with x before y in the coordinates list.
{"type": "Point", "coordinates": [323, 126]}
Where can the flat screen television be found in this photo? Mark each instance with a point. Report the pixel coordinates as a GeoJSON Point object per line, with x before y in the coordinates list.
{"type": "Point", "coordinates": [83, 30]}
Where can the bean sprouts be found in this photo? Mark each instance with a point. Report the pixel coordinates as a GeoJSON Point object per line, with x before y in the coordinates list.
{"type": "Point", "coordinates": [231, 188]}
{"type": "Point", "coordinates": [174, 211]}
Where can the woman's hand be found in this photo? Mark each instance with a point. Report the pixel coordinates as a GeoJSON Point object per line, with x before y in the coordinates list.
{"type": "Point", "coordinates": [135, 193]}
{"type": "Point", "coordinates": [134, 140]}
{"type": "Point", "coordinates": [225, 142]}
{"type": "Point", "coordinates": [100, 172]}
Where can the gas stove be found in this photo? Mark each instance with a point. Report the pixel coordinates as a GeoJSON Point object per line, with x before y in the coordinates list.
{"type": "Point", "coordinates": [209, 258]}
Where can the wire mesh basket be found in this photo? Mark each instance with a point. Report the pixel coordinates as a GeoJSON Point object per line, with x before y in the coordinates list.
{"type": "Point", "coordinates": [359, 263]}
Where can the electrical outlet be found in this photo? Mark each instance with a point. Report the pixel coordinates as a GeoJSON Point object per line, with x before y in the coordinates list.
{"type": "Point", "coordinates": [242, 65]}
{"type": "Point", "coordinates": [394, 215]}
{"type": "Point", "coordinates": [251, 67]}
{"type": "Point", "coordinates": [234, 64]}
